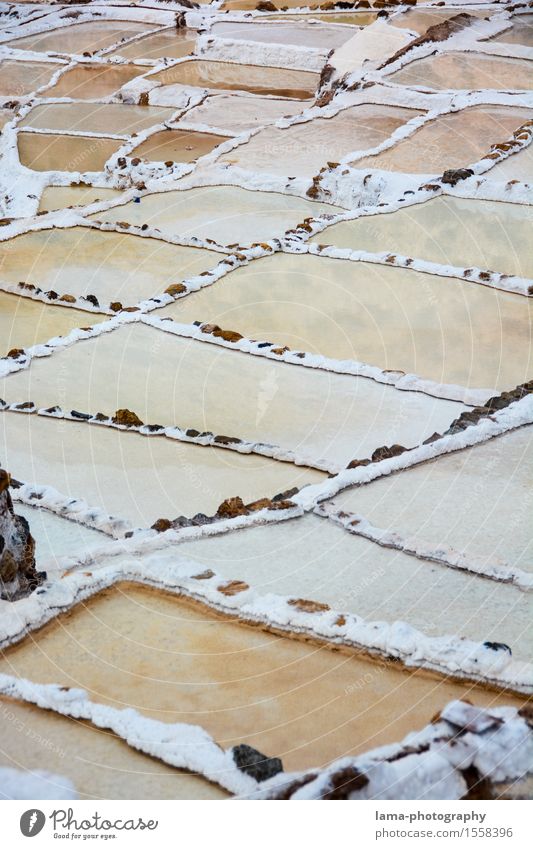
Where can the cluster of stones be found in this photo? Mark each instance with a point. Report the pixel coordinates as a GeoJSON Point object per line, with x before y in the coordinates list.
{"type": "Point", "coordinates": [231, 508]}
{"type": "Point", "coordinates": [18, 575]}
{"type": "Point", "coordinates": [466, 419]}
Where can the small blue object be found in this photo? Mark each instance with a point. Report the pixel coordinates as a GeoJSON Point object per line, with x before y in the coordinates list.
{"type": "Point", "coordinates": [136, 200]}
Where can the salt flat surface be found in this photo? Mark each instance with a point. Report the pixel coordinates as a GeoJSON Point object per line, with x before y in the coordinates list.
{"type": "Point", "coordinates": [89, 82]}
{"type": "Point", "coordinates": [60, 197]}
{"type": "Point", "coordinates": [100, 765]}
{"type": "Point", "coordinates": [453, 140]}
{"type": "Point", "coordinates": [48, 152]}
{"type": "Point", "coordinates": [230, 76]}
{"type": "Point", "coordinates": [173, 44]}
{"type": "Point", "coordinates": [392, 317]}
{"type": "Point", "coordinates": [116, 118]}
{"type": "Point", "coordinates": [316, 413]}
{"type": "Point", "coordinates": [274, 150]}
{"type": "Point", "coordinates": [77, 38]}
{"type": "Point", "coordinates": [18, 78]}
{"type": "Point", "coordinates": [135, 477]}
{"type": "Point", "coordinates": [175, 663]}
{"type": "Point", "coordinates": [56, 537]}
{"type": "Point", "coordinates": [226, 214]}
{"type": "Point", "coordinates": [24, 322]}
{"type": "Point", "coordinates": [301, 33]}
{"type": "Point", "coordinates": [112, 266]}
{"type": "Point", "coordinates": [177, 145]}
{"type": "Point", "coordinates": [313, 558]}
{"type": "Point", "coordinates": [447, 230]}
{"type": "Point", "coordinates": [466, 71]}
{"type": "Point", "coordinates": [478, 501]}
{"type": "Point", "coordinates": [236, 113]}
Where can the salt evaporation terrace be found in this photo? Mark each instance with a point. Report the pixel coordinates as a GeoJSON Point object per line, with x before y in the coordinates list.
{"type": "Point", "coordinates": [267, 400]}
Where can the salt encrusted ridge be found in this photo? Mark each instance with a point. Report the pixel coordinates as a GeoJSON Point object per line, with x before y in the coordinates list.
{"type": "Point", "coordinates": [411, 545]}
{"type": "Point", "coordinates": [390, 377]}
{"type": "Point", "coordinates": [516, 415]}
{"type": "Point", "coordinates": [46, 497]}
{"type": "Point", "coordinates": [179, 744]}
{"type": "Point", "coordinates": [463, 748]}
{"type": "Point", "coordinates": [178, 434]}
{"type": "Point", "coordinates": [446, 654]}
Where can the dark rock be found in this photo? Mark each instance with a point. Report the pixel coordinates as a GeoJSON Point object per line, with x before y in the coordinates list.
{"type": "Point", "coordinates": [201, 519]}
{"type": "Point", "coordinates": [452, 177]}
{"type": "Point", "coordinates": [18, 575]}
{"type": "Point", "coordinates": [497, 646]}
{"type": "Point", "coordinates": [283, 496]}
{"type": "Point", "coordinates": [83, 416]}
{"type": "Point", "coordinates": [255, 764]}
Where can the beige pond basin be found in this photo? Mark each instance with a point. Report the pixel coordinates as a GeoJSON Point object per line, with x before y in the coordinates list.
{"type": "Point", "coordinates": [24, 322]}
{"type": "Point", "coordinates": [56, 537]}
{"type": "Point", "coordinates": [173, 43]}
{"type": "Point", "coordinates": [116, 118]}
{"type": "Point", "coordinates": [100, 765]}
{"type": "Point", "coordinates": [477, 501]}
{"type": "Point", "coordinates": [440, 328]}
{"type": "Point", "coordinates": [451, 231]}
{"type": "Point", "coordinates": [257, 79]}
{"type": "Point", "coordinates": [466, 71]}
{"type": "Point", "coordinates": [90, 82]}
{"type": "Point", "coordinates": [173, 662]}
{"type": "Point", "coordinates": [48, 152]}
{"type": "Point", "coordinates": [516, 167]}
{"type": "Point", "coordinates": [134, 477]}
{"type": "Point", "coordinates": [236, 113]}
{"type": "Point", "coordinates": [358, 19]}
{"type": "Point", "coordinates": [318, 36]}
{"type": "Point", "coordinates": [226, 214]}
{"type": "Point", "coordinates": [112, 266]}
{"type": "Point", "coordinates": [279, 151]}
{"type": "Point", "coordinates": [450, 141]}
{"type": "Point", "coordinates": [60, 197]}
{"type": "Point", "coordinates": [521, 32]}
{"type": "Point", "coordinates": [315, 559]}
{"type": "Point", "coordinates": [171, 380]}
{"type": "Point", "coordinates": [19, 78]}
{"type": "Point", "coordinates": [177, 146]}
{"type": "Point", "coordinates": [246, 5]}
{"type": "Point", "coordinates": [79, 38]}
{"type": "Point", "coordinates": [420, 19]}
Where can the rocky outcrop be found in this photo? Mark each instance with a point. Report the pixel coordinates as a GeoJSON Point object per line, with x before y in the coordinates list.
{"type": "Point", "coordinates": [18, 576]}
